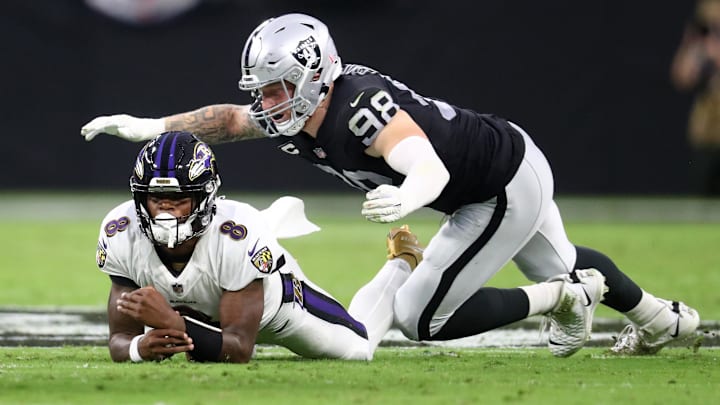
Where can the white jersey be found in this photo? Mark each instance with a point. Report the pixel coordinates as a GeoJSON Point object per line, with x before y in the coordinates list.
{"type": "Point", "coordinates": [240, 246]}
{"type": "Point", "coordinates": [234, 252]}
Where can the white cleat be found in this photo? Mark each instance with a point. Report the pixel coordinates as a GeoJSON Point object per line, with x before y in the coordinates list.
{"type": "Point", "coordinates": [571, 319]}
{"type": "Point", "coordinates": [635, 340]}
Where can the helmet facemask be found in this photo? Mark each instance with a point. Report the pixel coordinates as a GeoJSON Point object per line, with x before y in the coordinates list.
{"type": "Point", "coordinates": [298, 107]}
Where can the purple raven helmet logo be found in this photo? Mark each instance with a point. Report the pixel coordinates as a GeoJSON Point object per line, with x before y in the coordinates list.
{"type": "Point", "coordinates": [201, 161]}
{"type": "Point", "coordinates": [307, 52]}
{"type": "Point", "coordinates": [139, 166]}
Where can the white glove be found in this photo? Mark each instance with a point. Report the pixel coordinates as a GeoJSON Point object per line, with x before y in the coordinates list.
{"type": "Point", "coordinates": [383, 204]}
{"type": "Point", "coordinates": [124, 126]}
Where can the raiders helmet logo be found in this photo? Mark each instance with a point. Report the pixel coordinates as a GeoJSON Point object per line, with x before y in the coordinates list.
{"type": "Point", "coordinates": [307, 52]}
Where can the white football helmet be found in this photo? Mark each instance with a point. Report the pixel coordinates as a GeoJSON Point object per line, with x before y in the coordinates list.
{"type": "Point", "coordinates": [293, 48]}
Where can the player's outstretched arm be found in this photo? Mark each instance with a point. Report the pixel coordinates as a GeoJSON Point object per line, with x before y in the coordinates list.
{"type": "Point", "coordinates": [406, 148]}
{"type": "Point", "coordinates": [123, 126]}
{"type": "Point", "coordinates": [213, 124]}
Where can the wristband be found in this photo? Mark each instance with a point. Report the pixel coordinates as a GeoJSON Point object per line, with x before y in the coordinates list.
{"type": "Point", "coordinates": [134, 352]}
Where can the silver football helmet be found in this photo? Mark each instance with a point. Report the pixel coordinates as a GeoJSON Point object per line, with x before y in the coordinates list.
{"type": "Point", "coordinates": [293, 48]}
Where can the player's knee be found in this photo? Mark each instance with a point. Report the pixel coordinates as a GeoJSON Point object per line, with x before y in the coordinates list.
{"type": "Point", "coordinates": [406, 319]}
{"type": "Point", "coordinates": [358, 349]}
{"type": "Point", "coordinates": [536, 274]}
{"type": "Point", "coordinates": [358, 355]}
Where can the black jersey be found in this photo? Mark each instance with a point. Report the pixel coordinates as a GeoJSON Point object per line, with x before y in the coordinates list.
{"type": "Point", "coordinates": [481, 152]}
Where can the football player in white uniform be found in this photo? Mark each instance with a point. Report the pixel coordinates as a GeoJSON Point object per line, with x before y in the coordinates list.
{"type": "Point", "coordinates": [207, 276]}
{"type": "Point", "coordinates": [407, 151]}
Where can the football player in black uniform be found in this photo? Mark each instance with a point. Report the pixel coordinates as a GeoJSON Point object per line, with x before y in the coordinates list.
{"type": "Point", "coordinates": [406, 151]}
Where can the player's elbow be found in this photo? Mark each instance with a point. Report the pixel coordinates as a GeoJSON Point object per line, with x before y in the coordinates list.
{"type": "Point", "coordinates": [236, 349]}
{"type": "Point", "coordinates": [242, 357]}
{"type": "Point", "coordinates": [118, 358]}
{"type": "Point", "coordinates": [436, 176]}
{"type": "Point", "coordinates": [443, 176]}
{"type": "Point", "coordinates": [118, 347]}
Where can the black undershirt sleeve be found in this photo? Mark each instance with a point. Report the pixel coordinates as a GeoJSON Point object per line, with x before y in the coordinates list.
{"type": "Point", "coordinates": [125, 282]}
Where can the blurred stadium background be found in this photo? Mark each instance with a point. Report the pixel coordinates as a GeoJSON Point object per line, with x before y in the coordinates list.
{"type": "Point", "coordinates": [589, 80]}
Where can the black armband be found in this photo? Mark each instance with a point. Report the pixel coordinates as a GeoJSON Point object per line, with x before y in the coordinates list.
{"type": "Point", "coordinates": [207, 340]}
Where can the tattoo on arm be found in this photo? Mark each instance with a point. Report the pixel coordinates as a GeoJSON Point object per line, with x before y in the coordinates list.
{"type": "Point", "coordinates": [216, 123]}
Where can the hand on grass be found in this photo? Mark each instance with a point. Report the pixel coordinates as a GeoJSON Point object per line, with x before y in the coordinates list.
{"type": "Point", "coordinates": [160, 344]}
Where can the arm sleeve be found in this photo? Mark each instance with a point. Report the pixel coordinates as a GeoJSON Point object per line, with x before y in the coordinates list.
{"type": "Point", "coordinates": [425, 174]}
{"type": "Point", "coordinates": [123, 281]}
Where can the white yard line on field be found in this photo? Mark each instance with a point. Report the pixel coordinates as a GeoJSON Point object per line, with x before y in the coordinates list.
{"type": "Point", "coordinates": [39, 328]}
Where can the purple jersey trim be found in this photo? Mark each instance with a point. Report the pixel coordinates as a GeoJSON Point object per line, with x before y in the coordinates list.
{"type": "Point", "coordinates": [322, 306]}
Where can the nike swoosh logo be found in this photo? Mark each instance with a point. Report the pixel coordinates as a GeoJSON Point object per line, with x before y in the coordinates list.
{"type": "Point", "coordinates": [282, 327]}
{"type": "Point", "coordinates": [252, 251]}
{"type": "Point", "coordinates": [550, 341]}
{"type": "Point", "coordinates": [589, 300]}
{"type": "Point", "coordinates": [357, 100]}
{"type": "Point", "coordinates": [677, 329]}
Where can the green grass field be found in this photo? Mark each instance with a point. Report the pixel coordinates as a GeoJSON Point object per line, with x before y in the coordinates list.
{"type": "Point", "coordinates": [419, 376]}
{"type": "Point", "coordinates": [670, 248]}
{"type": "Point", "coordinates": [48, 254]}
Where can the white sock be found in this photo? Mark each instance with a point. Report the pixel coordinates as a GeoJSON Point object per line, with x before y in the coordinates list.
{"type": "Point", "coordinates": [373, 303]}
{"type": "Point", "coordinates": [543, 296]}
{"type": "Point", "coordinates": [651, 314]}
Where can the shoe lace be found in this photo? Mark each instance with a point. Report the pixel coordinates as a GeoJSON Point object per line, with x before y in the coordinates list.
{"type": "Point", "coordinates": [626, 337]}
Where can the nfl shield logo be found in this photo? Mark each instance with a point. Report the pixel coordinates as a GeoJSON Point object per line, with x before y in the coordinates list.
{"type": "Point", "coordinates": [320, 153]}
{"type": "Point", "coordinates": [177, 288]}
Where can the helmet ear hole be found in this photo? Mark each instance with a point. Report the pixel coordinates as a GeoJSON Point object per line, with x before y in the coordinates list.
{"type": "Point", "coordinates": [175, 163]}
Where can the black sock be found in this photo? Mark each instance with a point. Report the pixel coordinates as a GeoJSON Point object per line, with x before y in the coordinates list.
{"type": "Point", "coordinates": [624, 294]}
{"type": "Point", "coordinates": [487, 309]}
